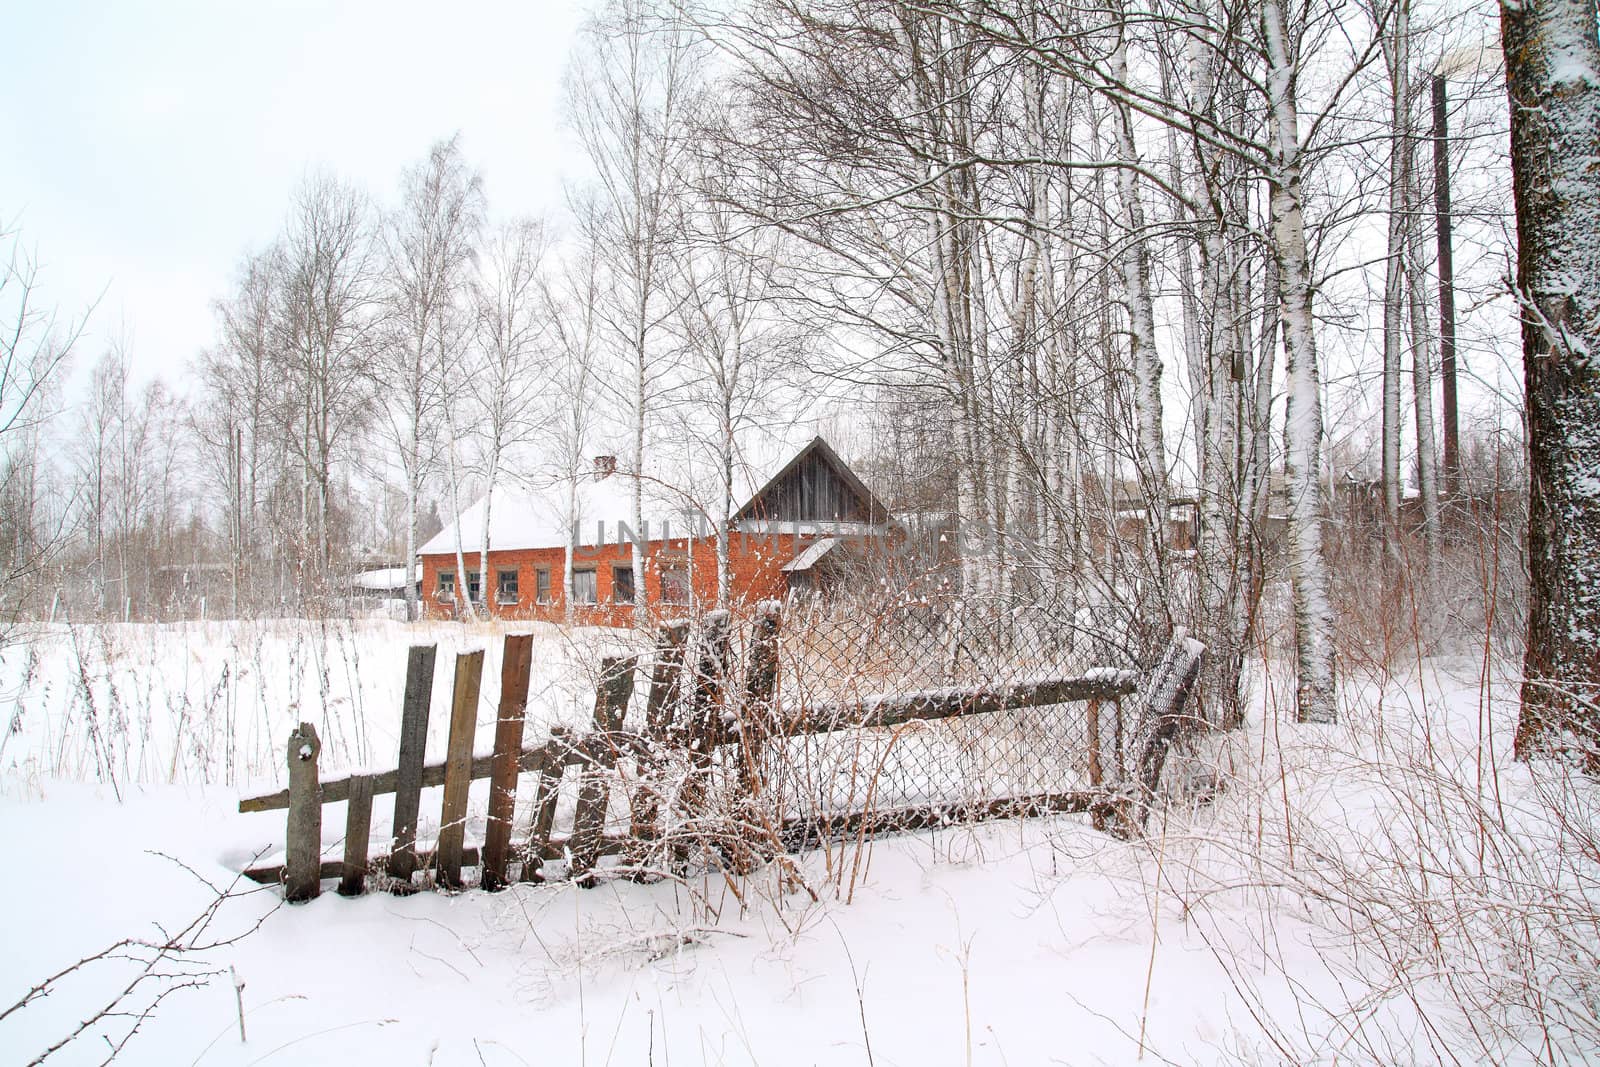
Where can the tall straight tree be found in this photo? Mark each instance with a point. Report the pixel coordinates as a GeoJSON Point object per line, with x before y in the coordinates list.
{"type": "Point", "coordinates": [1552, 55]}
{"type": "Point", "coordinates": [243, 381]}
{"type": "Point", "coordinates": [1308, 564]}
{"type": "Point", "coordinates": [737, 345]}
{"type": "Point", "coordinates": [508, 299]}
{"type": "Point", "coordinates": [629, 97]}
{"type": "Point", "coordinates": [571, 299]}
{"type": "Point", "coordinates": [327, 301]}
{"type": "Point", "coordinates": [429, 242]}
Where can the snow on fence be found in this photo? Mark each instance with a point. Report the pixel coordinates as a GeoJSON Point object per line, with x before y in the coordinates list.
{"type": "Point", "coordinates": [746, 742]}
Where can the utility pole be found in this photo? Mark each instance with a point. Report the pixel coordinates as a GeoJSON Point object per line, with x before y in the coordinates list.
{"type": "Point", "coordinates": [1447, 285]}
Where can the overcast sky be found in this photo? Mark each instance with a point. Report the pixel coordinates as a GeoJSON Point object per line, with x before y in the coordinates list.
{"type": "Point", "coordinates": [144, 147]}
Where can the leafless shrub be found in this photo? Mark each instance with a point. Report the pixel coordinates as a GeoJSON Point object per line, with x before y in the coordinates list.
{"type": "Point", "coordinates": [139, 975]}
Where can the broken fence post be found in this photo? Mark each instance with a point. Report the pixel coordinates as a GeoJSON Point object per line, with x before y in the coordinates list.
{"type": "Point", "coordinates": [303, 855]}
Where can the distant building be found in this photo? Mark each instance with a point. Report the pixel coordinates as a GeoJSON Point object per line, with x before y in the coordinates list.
{"type": "Point", "coordinates": [796, 533]}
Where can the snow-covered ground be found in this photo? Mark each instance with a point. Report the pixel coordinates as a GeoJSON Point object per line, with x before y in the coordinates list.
{"type": "Point", "coordinates": [1223, 937]}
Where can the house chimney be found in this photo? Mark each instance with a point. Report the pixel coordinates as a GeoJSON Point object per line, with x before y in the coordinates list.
{"type": "Point", "coordinates": [604, 467]}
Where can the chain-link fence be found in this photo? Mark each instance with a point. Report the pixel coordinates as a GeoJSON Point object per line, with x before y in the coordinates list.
{"type": "Point", "coordinates": [786, 724]}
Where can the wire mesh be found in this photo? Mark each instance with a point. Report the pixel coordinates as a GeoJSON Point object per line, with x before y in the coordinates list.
{"type": "Point", "coordinates": [850, 707]}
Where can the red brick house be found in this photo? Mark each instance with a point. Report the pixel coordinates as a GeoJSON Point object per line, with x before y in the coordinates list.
{"type": "Point", "coordinates": [805, 524]}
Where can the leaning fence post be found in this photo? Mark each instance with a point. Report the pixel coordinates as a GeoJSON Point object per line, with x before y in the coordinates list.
{"type": "Point", "coordinates": [551, 767]}
{"type": "Point", "coordinates": [660, 706]}
{"type": "Point", "coordinates": [1159, 720]}
{"type": "Point", "coordinates": [458, 767]}
{"type": "Point", "coordinates": [589, 820]}
{"type": "Point", "coordinates": [704, 730]}
{"type": "Point", "coordinates": [515, 666]}
{"type": "Point", "coordinates": [303, 855]}
{"type": "Point", "coordinates": [413, 750]}
{"type": "Point", "coordinates": [761, 681]}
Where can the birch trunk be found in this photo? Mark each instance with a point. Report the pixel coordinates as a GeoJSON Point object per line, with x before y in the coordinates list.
{"type": "Point", "coordinates": [1553, 77]}
{"type": "Point", "coordinates": [1397, 54]}
{"type": "Point", "coordinates": [1313, 611]}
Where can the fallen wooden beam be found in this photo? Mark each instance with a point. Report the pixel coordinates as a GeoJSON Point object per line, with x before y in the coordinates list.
{"type": "Point", "coordinates": [554, 849]}
{"type": "Point", "coordinates": [806, 832]}
{"type": "Point", "coordinates": [894, 709]}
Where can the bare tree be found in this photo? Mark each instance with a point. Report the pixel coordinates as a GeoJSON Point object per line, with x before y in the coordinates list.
{"type": "Point", "coordinates": [429, 242]}
{"type": "Point", "coordinates": [242, 452]}
{"type": "Point", "coordinates": [511, 329]}
{"type": "Point", "coordinates": [35, 349]}
{"type": "Point", "coordinates": [739, 349]}
{"type": "Point", "coordinates": [628, 100]}
{"type": "Point", "coordinates": [571, 298]}
{"type": "Point", "coordinates": [323, 332]}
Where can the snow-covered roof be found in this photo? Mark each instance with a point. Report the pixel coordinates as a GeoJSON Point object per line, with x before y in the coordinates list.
{"type": "Point", "coordinates": [382, 580]}
{"type": "Point", "coordinates": [522, 520]}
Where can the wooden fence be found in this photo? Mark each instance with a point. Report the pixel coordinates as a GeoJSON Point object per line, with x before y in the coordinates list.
{"type": "Point", "coordinates": [692, 712]}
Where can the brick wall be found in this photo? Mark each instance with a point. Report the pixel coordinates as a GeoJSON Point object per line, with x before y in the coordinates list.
{"type": "Point", "coordinates": [755, 565]}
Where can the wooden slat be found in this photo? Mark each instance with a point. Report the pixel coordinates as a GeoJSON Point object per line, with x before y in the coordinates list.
{"type": "Point", "coordinates": [661, 705]}
{"type": "Point", "coordinates": [705, 728]}
{"type": "Point", "coordinates": [589, 820]}
{"type": "Point", "coordinates": [406, 782]}
{"type": "Point", "coordinates": [357, 829]}
{"type": "Point", "coordinates": [458, 767]}
{"type": "Point", "coordinates": [761, 680]}
{"type": "Point", "coordinates": [666, 679]}
{"type": "Point", "coordinates": [552, 764]}
{"type": "Point", "coordinates": [515, 667]}
{"type": "Point", "coordinates": [1096, 770]}
{"type": "Point", "coordinates": [303, 852]}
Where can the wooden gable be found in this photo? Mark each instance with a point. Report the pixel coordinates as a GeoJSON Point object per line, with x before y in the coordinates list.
{"type": "Point", "coordinates": [814, 486]}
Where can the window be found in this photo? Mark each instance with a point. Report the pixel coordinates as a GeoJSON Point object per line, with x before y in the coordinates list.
{"type": "Point", "coordinates": [622, 583]}
{"type": "Point", "coordinates": [541, 585]}
{"type": "Point", "coordinates": [505, 587]}
{"type": "Point", "coordinates": [675, 583]}
{"type": "Point", "coordinates": [584, 590]}
{"type": "Point", "coordinates": [447, 585]}
{"type": "Point", "coordinates": [475, 587]}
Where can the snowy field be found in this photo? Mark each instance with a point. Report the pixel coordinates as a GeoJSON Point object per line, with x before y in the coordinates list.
{"type": "Point", "coordinates": [1359, 893]}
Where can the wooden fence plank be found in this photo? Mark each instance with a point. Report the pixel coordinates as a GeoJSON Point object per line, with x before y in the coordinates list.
{"type": "Point", "coordinates": [705, 730]}
{"type": "Point", "coordinates": [589, 820]}
{"type": "Point", "coordinates": [552, 764]}
{"type": "Point", "coordinates": [666, 679]}
{"type": "Point", "coordinates": [515, 666]}
{"type": "Point", "coordinates": [660, 708]}
{"type": "Point", "coordinates": [458, 767]}
{"type": "Point", "coordinates": [407, 779]}
{"type": "Point", "coordinates": [761, 681]}
{"type": "Point", "coordinates": [303, 855]}
{"type": "Point", "coordinates": [357, 829]}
